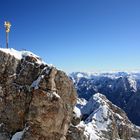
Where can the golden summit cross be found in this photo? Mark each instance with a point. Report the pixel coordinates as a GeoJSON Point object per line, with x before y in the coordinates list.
{"type": "Point", "coordinates": [7, 25]}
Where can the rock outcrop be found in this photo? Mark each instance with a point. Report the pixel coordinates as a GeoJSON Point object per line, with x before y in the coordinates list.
{"type": "Point", "coordinates": [101, 120]}
{"type": "Point", "coordinates": [36, 100]}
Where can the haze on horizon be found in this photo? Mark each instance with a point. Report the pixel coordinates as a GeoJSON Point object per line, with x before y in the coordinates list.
{"type": "Point", "coordinates": [76, 35]}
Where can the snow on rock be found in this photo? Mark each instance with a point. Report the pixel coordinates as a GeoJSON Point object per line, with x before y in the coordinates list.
{"type": "Point", "coordinates": [80, 104]}
{"type": "Point", "coordinates": [90, 131]}
{"type": "Point", "coordinates": [77, 112]}
{"type": "Point", "coordinates": [133, 83]}
{"type": "Point", "coordinates": [96, 112]}
{"type": "Point", "coordinates": [19, 135]}
{"type": "Point", "coordinates": [15, 53]}
{"type": "Point", "coordinates": [35, 84]}
{"type": "Point", "coordinates": [56, 95]}
{"type": "Point", "coordinates": [80, 75]}
{"type": "Point", "coordinates": [101, 120]}
{"type": "Point", "coordinates": [21, 54]}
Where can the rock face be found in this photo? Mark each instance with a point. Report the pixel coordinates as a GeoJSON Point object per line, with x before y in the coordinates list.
{"type": "Point", "coordinates": [101, 120]}
{"type": "Point", "coordinates": [36, 100]}
{"type": "Point", "coordinates": [121, 88]}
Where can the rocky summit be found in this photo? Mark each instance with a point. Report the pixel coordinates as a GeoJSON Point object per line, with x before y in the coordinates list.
{"type": "Point", "coordinates": [36, 100]}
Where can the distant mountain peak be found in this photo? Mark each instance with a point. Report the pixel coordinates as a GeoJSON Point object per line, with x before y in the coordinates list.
{"type": "Point", "coordinates": [101, 120]}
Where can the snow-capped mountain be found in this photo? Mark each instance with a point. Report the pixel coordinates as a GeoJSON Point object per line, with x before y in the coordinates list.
{"type": "Point", "coordinates": [121, 88]}
{"type": "Point", "coordinates": [101, 120]}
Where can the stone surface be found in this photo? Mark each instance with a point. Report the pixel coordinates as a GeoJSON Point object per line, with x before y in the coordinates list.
{"type": "Point", "coordinates": [35, 96]}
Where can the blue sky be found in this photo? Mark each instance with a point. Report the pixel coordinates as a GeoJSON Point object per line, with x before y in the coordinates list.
{"type": "Point", "coordinates": [76, 35]}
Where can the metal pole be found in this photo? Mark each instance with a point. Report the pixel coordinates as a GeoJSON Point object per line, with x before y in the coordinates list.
{"type": "Point", "coordinates": [7, 40]}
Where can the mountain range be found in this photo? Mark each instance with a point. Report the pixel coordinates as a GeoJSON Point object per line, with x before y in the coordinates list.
{"type": "Point", "coordinates": [39, 102]}
{"type": "Point", "coordinates": [121, 88]}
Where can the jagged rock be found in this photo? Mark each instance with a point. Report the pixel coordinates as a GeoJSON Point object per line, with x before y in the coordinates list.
{"type": "Point", "coordinates": [75, 133]}
{"type": "Point", "coordinates": [33, 95]}
{"type": "Point", "coordinates": [101, 120]}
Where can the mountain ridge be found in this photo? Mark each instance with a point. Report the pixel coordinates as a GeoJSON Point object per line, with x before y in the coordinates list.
{"type": "Point", "coordinates": [102, 120]}
{"type": "Point", "coordinates": [121, 88]}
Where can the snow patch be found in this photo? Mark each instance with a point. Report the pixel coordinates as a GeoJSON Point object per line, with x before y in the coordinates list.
{"type": "Point", "coordinates": [35, 84]}
{"type": "Point", "coordinates": [79, 75]}
{"type": "Point", "coordinates": [13, 52]}
{"type": "Point", "coordinates": [56, 95]}
{"type": "Point", "coordinates": [133, 83]}
{"type": "Point", "coordinates": [97, 112]}
{"type": "Point", "coordinates": [19, 135]}
{"type": "Point", "coordinates": [77, 112]}
{"type": "Point", "coordinates": [21, 54]}
{"type": "Point", "coordinates": [89, 131]}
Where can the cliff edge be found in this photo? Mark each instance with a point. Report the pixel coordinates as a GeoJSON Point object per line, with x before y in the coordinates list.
{"type": "Point", "coordinates": [36, 100]}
